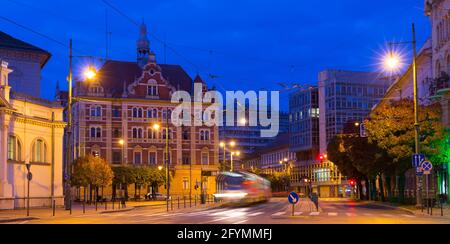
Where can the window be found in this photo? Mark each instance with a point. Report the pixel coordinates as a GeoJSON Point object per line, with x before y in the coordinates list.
{"type": "Point", "coordinates": [205, 158]}
{"type": "Point", "coordinates": [14, 149]}
{"type": "Point", "coordinates": [96, 111]}
{"type": "Point", "coordinates": [152, 158]}
{"type": "Point", "coordinates": [204, 135]}
{"type": "Point", "coordinates": [152, 90]}
{"type": "Point", "coordinates": [116, 133]}
{"type": "Point", "coordinates": [96, 132]}
{"type": "Point", "coordinates": [138, 157]}
{"type": "Point", "coordinates": [137, 133]}
{"type": "Point", "coordinates": [164, 132]}
{"type": "Point", "coordinates": [186, 159]}
{"type": "Point", "coordinates": [39, 152]}
{"type": "Point", "coordinates": [117, 158]}
{"type": "Point", "coordinates": [138, 112]}
{"type": "Point", "coordinates": [170, 157]}
{"type": "Point", "coordinates": [96, 89]}
{"type": "Point", "coordinates": [151, 133]}
{"type": "Point", "coordinates": [186, 134]}
{"type": "Point", "coordinates": [185, 183]}
{"type": "Point", "coordinates": [116, 112]}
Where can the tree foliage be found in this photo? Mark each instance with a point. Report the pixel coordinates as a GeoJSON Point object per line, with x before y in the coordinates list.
{"type": "Point", "coordinates": [90, 170]}
{"type": "Point", "coordinates": [391, 127]}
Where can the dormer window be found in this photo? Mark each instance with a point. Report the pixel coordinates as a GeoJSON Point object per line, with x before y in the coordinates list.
{"type": "Point", "coordinates": [96, 90]}
{"type": "Point", "coordinates": [152, 91]}
{"type": "Point", "coordinates": [96, 111]}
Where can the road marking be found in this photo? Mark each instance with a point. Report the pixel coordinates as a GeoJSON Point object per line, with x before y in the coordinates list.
{"type": "Point", "coordinates": [333, 214]}
{"type": "Point", "coordinates": [298, 213]}
{"type": "Point", "coordinates": [387, 215]}
{"type": "Point", "coordinates": [408, 216]}
{"type": "Point", "coordinates": [255, 214]}
{"type": "Point", "coordinates": [278, 214]}
{"type": "Point", "coordinates": [351, 215]}
{"type": "Point", "coordinates": [368, 214]}
{"type": "Point", "coordinates": [240, 222]}
{"type": "Point", "coordinates": [314, 214]}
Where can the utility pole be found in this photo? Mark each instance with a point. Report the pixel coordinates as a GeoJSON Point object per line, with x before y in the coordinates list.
{"type": "Point", "coordinates": [416, 115]}
{"type": "Point", "coordinates": [68, 168]}
{"type": "Point", "coordinates": [167, 159]}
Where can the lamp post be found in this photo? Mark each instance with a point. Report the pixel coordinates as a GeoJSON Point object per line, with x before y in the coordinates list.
{"type": "Point", "coordinates": [223, 145]}
{"type": "Point", "coordinates": [166, 159]}
{"type": "Point", "coordinates": [29, 178]}
{"type": "Point", "coordinates": [236, 153]}
{"type": "Point", "coordinates": [89, 74]}
{"type": "Point", "coordinates": [392, 62]}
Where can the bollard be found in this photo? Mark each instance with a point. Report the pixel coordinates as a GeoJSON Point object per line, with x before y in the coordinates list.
{"type": "Point", "coordinates": [184, 200]}
{"type": "Point", "coordinates": [171, 204]}
{"type": "Point", "coordinates": [178, 202]}
{"type": "Point", "coordinates": [96, 206]}
{"type": "Point", "coordinates": [195, 198]}
{"type": "Point", "coordinates": [84, 207]}
{"type": "Point", "coordinates": [442, 208]}
{"type": "Point", "coordinates": [113, 203]}
{"type": "Point", "coordinates": [431, 207]}
{"type": "Point", "coordinates": [54, 207]}
{"type": "Point", "coordinates": [106, 205]}
{"type": "Point", "coordinates": [70, 207]}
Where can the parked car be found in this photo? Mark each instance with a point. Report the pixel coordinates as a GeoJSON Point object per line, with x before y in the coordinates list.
{"type": "Point", "coordinates": [157, 196]}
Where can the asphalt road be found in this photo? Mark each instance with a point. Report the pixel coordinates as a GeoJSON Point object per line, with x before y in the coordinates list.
{"type": "Point", "coordinates": [276, 211]}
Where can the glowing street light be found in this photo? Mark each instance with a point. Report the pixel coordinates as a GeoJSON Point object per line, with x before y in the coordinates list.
{"type": "Point", "coordinates": [156, 127]}
{"type": "Point", "coordinates": [160, 168]}
{"type": "Point", "coordinates": [90, 73]}
{"type": "Point", "coordinates": [243, 121]}
{"type": "Point", "coordinates": [392, 62]}
{"type": "Point", "coordinates": [232, 144]}
{"type": "Point", "coordinates": [121, 142]}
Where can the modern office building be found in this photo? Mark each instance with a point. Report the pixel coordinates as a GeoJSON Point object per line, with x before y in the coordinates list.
{"type": "Point", "coordinates": [346, 96]}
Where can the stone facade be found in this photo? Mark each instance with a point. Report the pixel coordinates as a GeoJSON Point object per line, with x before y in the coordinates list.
{"type": "Point", "coordinates": [31, 132]}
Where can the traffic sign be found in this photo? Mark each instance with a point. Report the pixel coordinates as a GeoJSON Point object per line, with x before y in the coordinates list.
{"type": "Point", "coordinates": [293, 198]}
{"type": "Point", "coordinates": [427, 167]}
{"type": "Point", "coordinates": [419, 171]}
{"type": "Point", "coordinates": [417, 160]}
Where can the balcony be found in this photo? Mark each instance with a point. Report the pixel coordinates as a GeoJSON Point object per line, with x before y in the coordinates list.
{"type": "Point", "coordinates": [439, 86]}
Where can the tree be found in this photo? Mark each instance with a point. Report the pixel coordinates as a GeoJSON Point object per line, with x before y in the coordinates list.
{"type": "Point", "coordinates": [123, 176]}
{"type": "Point", "coordinates": [391, 127]}
{"type": "Point", "coordinates": [91, 171]}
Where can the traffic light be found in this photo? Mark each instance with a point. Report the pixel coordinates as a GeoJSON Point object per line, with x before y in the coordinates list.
{"type": "Point", "coordinates": [352, 183]}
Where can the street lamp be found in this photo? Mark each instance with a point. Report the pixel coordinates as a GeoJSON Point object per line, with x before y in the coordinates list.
{"type": "Point", "coordinates": [236, 153]}
{"type": "Point", "coordinates": [89, 74]}
{"type": "Point", "coordinates": [223, 145]}
{"type": "Point", "coordinates": [122, 143]}
{"type": "Point", "coordinates": [158, 127]}
{"type": "Point", "coordinates": [29, 178]}
{"type": "Point", "coordinates": [392, 62]}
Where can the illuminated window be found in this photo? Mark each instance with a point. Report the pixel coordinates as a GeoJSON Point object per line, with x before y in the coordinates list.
{"type": "Point", "coordinates": [14, 149]}
{"type": "Point", "coordinates": [39, 152]}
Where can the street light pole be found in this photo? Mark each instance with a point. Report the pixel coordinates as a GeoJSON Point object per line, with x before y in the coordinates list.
{"type": "Point", "coordinates": [167, 159]}
{"type": "Point", "coordinates": [416, 116]}
{"type": "Point", "coordinates": [68, 192]}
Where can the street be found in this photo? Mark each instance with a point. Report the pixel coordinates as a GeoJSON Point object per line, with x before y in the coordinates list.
{"type": "Point", "coordinates": [276, 211]}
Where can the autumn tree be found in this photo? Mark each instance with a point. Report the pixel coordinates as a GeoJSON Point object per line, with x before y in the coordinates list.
{"type": "Point", "coordinates": [391, 127]}
{"type": "Point", "coordinates": [91, 171]}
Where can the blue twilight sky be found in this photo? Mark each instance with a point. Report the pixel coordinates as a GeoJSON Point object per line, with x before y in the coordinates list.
{"type": "Point", "coordinates": [247, 44]}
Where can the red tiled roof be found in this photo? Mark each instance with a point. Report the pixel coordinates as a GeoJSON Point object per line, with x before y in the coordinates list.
{"type": "Point", "coordinates": [11, 43]}
{"type": "Point", "coordinates": [113, 74]}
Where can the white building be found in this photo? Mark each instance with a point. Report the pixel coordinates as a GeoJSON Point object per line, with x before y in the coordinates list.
{"type": "Point", "coordinates": [31, 132]}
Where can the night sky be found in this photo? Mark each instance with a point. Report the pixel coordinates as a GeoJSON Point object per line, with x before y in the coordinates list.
{"type": "Point", "coordinates": [247, 44]}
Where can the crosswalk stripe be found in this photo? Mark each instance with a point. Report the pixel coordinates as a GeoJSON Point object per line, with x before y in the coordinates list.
{"type": "Point", "coordinates": [368, 214]}
{"type": "Point", "coordinates": [255, 214]}
{"type": "Point", "coordinates": [333, 214]}
{"type": "Point", "coordinates": [351, 215]}
{"type": "Point", "coordinates": [314, 214]}
{"type": "Point", "coordinates": [298, 213]}
{"type": "Point", "coordinates": [278, 214]}
{"type": "Point", "coordinates": [387, 215]}
{"type": "Point", "coordinates": [408, 216]}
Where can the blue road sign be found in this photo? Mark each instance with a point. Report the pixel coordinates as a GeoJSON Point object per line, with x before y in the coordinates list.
{"type": "Point", "coordinates": [417, 160]}
{"type": "Point", "coordinates": [427, 166]}
{"type": "Point", "coordinates": [293, 198]}
{"type": "Point", "coordinates": [419, 171]}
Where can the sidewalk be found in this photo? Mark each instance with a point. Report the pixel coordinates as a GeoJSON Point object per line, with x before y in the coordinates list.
{"type": "Point", "coordinates": [413, 210]}
{"type": "Point", "coordinates": [18, 215]}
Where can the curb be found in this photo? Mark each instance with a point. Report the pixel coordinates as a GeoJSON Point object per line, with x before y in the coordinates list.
{"type": "Point", "coordinates": [118, 211]}
{"type": "Point", "coordinates": [17, 219]}
{"type": "Point", "coordinates": [394, 207]}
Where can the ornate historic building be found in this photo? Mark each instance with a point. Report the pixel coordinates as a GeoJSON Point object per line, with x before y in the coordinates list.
{"type": "Point", "coordinates": [31, 132]}
{"type": "Point", "coordinates": [116, 112]}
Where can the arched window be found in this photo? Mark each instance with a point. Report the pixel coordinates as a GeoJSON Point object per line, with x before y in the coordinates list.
{"type": "Point", "coordinates": [39, 153]}
{"type": "Point", "coordinates": [204, 135]}
{"type": "Point", "coordinates": [96, 89]}
{"type": "Point", "coordinates": [138, 113]}
{"type": "Point", "coordinates": [96, 111]}
{"type": "Point", "coordinates": [164, 132]}
{"type": "Point", "coordinates": [96, 132]}
{"type": "Point", "coordinates": [14, 149]}
{"type": "Point", "coordinates": [137, 156]}
{"type": "Point", "coordinates": [137, 133]}
{"type": "Point", "coordinates": [205, 156]}
{"type": "Point", "coordinates": [151, 133]}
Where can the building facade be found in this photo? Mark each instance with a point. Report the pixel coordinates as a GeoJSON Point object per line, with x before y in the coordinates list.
{"type": "Point", "coordinates": [26, 62]}
{"type": "Point", "coordinates": [124, 102]}
{"type": "Point", "coordinates": [344, 96]}
{"type": "Point", "coordinates": [31, 132]}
